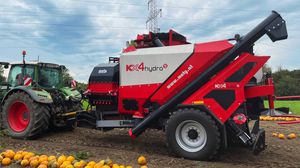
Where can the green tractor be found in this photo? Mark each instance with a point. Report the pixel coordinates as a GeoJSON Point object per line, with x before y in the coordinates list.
{"type": "Point", "coordinates": [35, 98]}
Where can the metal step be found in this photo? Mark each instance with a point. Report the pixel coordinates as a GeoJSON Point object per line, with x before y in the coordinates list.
{"type": "Point", "coordinates": [114, 123]}
{"type": "Point", "coordinates": [110, 112]}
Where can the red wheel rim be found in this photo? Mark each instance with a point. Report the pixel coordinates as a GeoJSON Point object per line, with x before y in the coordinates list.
{"type": "Point", "coordinates": [18, 116]}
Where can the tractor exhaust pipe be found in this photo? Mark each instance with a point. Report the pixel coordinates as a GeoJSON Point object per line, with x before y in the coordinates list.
{"type": "Point", "coordinates": [274, 26]}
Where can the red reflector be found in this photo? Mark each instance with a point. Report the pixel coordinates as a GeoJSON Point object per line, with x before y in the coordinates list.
{"type": "Point", "coordinates": [131, 134]}
{"type": "Point", "coordinates": [240, 118]}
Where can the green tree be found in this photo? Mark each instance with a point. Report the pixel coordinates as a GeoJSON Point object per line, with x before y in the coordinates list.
{"type": "Point", "coordinates": [66, 77]}
{"type": "Point", "coordinates": [81, 86]}
{"type": "Point", "coordinates": [287, 83]}
{"type": "Point", "coordinates": [266, 68]}
{"type": "Point", "coordinates": [2, 78]}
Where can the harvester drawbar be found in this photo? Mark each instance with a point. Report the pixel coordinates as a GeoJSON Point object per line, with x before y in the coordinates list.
{"type": "Point", "coordinates": [202, 95]}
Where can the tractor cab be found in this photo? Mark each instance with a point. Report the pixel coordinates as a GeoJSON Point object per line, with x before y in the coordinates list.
{"type": "Point", "coordinates": [44, 75]}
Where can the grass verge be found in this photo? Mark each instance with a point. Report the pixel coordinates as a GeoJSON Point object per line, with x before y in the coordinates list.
{"type": "Point", "coordinates": [294, 105]}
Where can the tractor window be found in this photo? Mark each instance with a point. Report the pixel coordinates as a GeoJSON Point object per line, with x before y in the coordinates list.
{"type": "Point", "coordinates": [49, 77]}
{"type": "Point", "coordinates": [16, 78]}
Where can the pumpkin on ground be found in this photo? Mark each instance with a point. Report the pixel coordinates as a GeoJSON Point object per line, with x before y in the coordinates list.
{"type": "Point", "coordinates": [24, 162]}
{"type": "Point", "coordinates": [109, 162]}
{"type": "Point", "coordinates": [42, 166]}
{"type": "Point", "coordinates": [142, 160]}
{"type": "Point", "coordinates": [281, 136]}
{"type": "Point", "coordinates": [61, 159]}
{"type": "Point", "coordinates": [1, 158]}
{"type": "Point", "coordinates": [34, 163]}
{"type": "Point", "coordinates": [18, 157]}
{"type": "Point", "coordinates": [9, 154]}
{"type": "Point", "coordinates": [70, 158]}
{"type": "Point", "coordinates": [292, 136]}
{"type": "Point", "coordinates": [6, 161]}
{"type": "Point", "coordinates": [91, 164]}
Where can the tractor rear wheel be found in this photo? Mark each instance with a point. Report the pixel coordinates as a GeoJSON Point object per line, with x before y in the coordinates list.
{"type": "Point", "coordinates": [24, 118]}
{"type": "Point", "coordinates": [193, 134]}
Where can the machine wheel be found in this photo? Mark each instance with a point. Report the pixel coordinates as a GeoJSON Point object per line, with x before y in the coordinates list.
{"type": "Point", "coordinates": [24, 118]}
{"type": "Point", "coordinates": [193, 134]}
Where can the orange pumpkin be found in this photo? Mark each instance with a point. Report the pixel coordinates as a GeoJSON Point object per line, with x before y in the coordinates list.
{"type": "Point", "coordinates": [292, 136]}
{"type": "Point", "coordinates": [281, 136]}
{"type": "Point", "coordinates": [6, 161]}
{"type": "Point", "coordinates": [142, 160]}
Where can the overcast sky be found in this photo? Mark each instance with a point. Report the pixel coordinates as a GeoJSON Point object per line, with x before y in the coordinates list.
{"type": "Point", "coordinates": [83, 33]}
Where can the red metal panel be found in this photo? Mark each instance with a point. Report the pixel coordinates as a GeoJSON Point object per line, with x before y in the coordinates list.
{"type": "Point", "coordinates": [218, 83]}
{"type": "Point", "coordinates": [205, 55]}
{"type": "Point", "coordinates": [138, 92]}
{"type": "Point", "coordinates": [129, 49]}
{"type": "Point", "coordinates": [259, 91]}
{"type": "Point", "coordinates": [102, 88]}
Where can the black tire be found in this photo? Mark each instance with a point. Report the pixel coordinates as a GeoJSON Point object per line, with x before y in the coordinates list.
{"type": "Point", "coordinates": [207, 149]}
{"type": "Point", "coordinates": [38, 116]}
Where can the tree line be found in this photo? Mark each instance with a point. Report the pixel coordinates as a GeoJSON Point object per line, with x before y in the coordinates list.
{"type": "Point", "coordinates": [287, 82]}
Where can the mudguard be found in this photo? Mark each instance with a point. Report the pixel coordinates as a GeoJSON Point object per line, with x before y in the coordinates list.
{"type": "Point", "coordinates": [38, 95]}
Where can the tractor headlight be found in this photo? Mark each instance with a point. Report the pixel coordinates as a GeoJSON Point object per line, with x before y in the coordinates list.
{"type": "Point", "coordinates": [49, 97]}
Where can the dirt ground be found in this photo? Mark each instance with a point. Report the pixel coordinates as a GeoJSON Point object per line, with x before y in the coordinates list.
{"type": "Point", "coordinates": [118, 146]}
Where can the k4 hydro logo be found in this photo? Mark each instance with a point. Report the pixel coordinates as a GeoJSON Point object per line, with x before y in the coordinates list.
{"type": "Point", "coordinates": [142, 67]}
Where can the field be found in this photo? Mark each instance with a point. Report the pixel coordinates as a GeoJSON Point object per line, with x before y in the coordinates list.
{"type": "Point", "coordinates": [118, 146]}
{"type": "Point", "coordinates": [294, 105]}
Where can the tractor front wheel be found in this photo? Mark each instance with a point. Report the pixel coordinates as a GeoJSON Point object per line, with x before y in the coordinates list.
{"type": "Point", "coordinates": [24, 118]}
{"type": "Point", "coordinates": [192, 134]}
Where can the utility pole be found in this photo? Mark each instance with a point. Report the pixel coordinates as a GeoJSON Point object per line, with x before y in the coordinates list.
{"type": "Point", "coordinates": [154, 12]}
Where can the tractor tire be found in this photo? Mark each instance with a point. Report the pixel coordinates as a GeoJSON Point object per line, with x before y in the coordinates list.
{"type": "Point", "coordinates": [24, 118]}
{"type": "Point", "coordinates": [193, 134]}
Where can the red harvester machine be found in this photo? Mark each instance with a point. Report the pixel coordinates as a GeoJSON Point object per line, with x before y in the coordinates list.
{"type": "Point", "coordinates": [202, 95]}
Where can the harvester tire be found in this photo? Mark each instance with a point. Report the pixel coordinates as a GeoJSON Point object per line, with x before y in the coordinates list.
{"type": "Point", "coordinates": [23, 117]}
{"type": "Point", "coordinates": [193, 134]}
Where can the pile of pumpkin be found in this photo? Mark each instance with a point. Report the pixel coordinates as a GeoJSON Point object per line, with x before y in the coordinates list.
{"type": "Point", "coordinates": [29, 159]}
{"type": "Point", "coordinates": [282, 136]}
{"type": "Point", "coordinates": [270, 118]}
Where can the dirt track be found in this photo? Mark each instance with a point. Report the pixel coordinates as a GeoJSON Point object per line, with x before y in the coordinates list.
{"type": "Point", "coordinates": [118, 146]}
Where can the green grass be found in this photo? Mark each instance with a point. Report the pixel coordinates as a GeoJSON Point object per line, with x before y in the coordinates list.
{"type": "Point", "coordinates": [293, 105]}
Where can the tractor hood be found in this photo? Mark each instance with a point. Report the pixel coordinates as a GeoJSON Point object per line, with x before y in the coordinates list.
{"type": "Point", "coordinates": [71, 93]}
